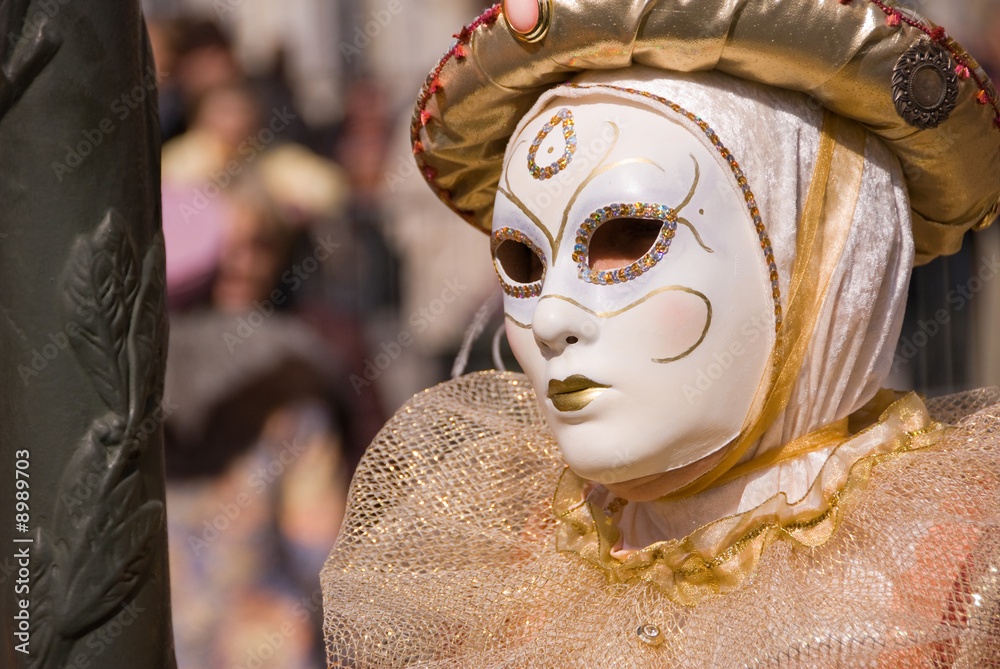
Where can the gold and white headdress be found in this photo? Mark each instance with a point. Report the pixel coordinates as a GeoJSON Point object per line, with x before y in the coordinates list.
{"type": "Point", "coordinates": [897, 74]}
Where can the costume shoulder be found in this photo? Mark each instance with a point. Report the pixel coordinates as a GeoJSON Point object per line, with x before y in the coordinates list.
{"type": "Point", "coordinates": [474, 443]}
{"type": "Point", "coordinates": [447, 558]}
{"type": "Point", "coordinates": [454, 483]}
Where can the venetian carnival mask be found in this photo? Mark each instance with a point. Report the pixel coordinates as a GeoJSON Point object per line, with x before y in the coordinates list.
{"type": "Point", "coordinates": [638, 298]}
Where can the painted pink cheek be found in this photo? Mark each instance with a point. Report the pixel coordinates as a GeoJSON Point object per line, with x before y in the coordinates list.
{"type": "Point", "coordinates": [521, 14]}
{"type": "Point", "coordinates": [681, 320]}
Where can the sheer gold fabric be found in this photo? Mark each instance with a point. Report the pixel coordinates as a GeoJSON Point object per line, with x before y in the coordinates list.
{"type": "Point", "coordinates": [448, 556]}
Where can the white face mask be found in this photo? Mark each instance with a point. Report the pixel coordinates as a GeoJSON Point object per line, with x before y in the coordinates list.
{"type": "Point", "coordinates": [657, 364]}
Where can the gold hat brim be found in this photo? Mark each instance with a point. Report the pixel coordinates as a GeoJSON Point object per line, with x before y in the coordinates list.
{"type": "Point", "coordinates": [842, 54]}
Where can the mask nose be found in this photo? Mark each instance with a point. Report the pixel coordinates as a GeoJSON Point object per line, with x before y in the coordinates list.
{"type": "Point", "coordinates": [558, 324]}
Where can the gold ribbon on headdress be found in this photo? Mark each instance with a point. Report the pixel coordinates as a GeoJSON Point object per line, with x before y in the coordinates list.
{"type": "Point", "coordinates": [822, 232]}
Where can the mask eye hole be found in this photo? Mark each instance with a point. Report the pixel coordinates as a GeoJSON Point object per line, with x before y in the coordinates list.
{"type": "Point", "coordinates": [621, 242]}
{"type": "Point", "coordinates": [519, 263]}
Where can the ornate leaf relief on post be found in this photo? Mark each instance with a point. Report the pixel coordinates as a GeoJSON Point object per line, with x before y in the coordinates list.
{"type": "Point", "coordinates": [104, 548]}
{"type": "Point", "coordinates": [30, 46]}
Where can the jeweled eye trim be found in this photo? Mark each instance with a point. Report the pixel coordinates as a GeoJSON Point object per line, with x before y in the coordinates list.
{"type": "Point", "coordinates": [565, 116]}
{"type": "Point", "coordinates": [522, 290]}
{"type": "Point", "coordinates": [741, 180]}
{"type": "Point", "coordinates": [642, 210]}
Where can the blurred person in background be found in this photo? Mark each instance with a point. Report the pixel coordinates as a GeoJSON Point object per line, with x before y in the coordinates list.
{"type": "Point", "coordinates": [165, 38]}
{"type": "Point", "coordinates": [231, 134]}
{"type": "Point", "coordinates": [288, 48]}
{"type": "Point", "coordinates": [370, 276]}
{"type": "Point", "coordinates": [991, 40]}
{"type": "Point", "coordinates": [446, 276]}
{"type": "Point", "coordinates": [394, 263]}
{"type": "Point", "coordinates": [264, 425]}
{"type": "Point", "coordinates": [440, 271]}
{"type": "Point", "coordinates": [224, 133]}
{"type": "Point", "coordinates": [192, 57]}
{"type": "Point", "coordinates": [255, 469]}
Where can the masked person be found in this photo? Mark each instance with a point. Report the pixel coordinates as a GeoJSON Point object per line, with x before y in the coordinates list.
{"type": "Point", "coordinates": [703, 220]}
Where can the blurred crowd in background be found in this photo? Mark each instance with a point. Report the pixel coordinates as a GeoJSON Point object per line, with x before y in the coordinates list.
{"type": "Point", "coordinates": [315, 283]}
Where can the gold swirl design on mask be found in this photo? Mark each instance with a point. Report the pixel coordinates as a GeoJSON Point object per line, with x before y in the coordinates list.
{"type": "Point", "coordinates": [594, 173]}
{"type": "Point", "coordinates": [708, 324]}
{"type": "Point", "coordinates": [508, 192]}
{"type": "Point", "coordinates": [687, 201]}
{"type": "Point", "coordinates": [527, 212]}
{"type": "Point", "coordinates": [516, 201]}
{"type": "Point", "coordinates": [694, 185]}
{"type": "Point", "coordinates": [516, 322]}
{"type": "Point", "coordinates": [602, 168]}
{"type": "Point", "coordinates": [741, 180]}
{"type": "Point", "coordinates": [618, 312]}
{"type": "Point", "coordinates": [686, 223]}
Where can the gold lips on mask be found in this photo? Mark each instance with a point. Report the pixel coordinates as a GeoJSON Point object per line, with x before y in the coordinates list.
{"type": "Point", "coordinates": [574, 393]}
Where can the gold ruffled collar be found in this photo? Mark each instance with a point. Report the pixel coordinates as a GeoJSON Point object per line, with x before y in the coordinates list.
{"type": "Point", "coordinates": [717, 557]}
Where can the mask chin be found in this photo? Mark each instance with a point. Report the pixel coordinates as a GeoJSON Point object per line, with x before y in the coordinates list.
{"type": "Point", "coordinates": [653, 486]}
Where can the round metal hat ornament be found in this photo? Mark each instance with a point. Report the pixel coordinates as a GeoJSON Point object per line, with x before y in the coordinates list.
{"type": "Point", "coordinates": [925, 85]}
{"type": "Point", "coordinates": [897, 74]}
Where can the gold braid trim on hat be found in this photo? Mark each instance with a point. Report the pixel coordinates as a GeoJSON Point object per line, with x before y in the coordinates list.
{"type": "Point", "coordinates": [841, 53]}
